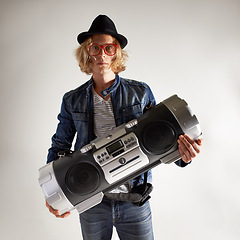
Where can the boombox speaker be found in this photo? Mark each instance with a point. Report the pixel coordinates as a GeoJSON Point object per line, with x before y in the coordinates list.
{"type": "Point", "coordinates": [79, 180]}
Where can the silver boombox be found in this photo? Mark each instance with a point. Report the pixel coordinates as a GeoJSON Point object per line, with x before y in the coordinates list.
{"type": "Point", "coordinates": [80, 179]}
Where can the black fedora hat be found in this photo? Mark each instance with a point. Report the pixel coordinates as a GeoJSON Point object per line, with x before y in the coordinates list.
{"type": "Point", "coordinates": [102, 24]}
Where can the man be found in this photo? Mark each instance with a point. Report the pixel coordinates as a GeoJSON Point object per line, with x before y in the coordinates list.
{"type": "Point", "coordinates": [95, 108]}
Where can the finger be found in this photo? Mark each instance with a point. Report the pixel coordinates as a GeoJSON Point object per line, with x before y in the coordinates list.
{"type": "Point", "coordinates": [52, 210]}
{"type": "Point", "coordinates": [187, 147]}
{"type": "Point", "coordinates": [63, 215]}
{"type": "Point", "coordinates": [187, 141]}
{"type": "Point", "coordinates": [185, 157]}
{"type": "Point", "coordinates": [195, 143]}
{"type": "Point", "coordinates": [200, 142]}
{"type": "Point", "coordinates": [47, 205]}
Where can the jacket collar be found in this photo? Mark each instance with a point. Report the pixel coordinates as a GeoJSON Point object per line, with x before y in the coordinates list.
{"type": "Point", "coordinates": [106, 91]}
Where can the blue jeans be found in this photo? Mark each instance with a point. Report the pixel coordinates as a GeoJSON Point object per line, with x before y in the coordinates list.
{"type": "Point", "coordinates": [131, 222]}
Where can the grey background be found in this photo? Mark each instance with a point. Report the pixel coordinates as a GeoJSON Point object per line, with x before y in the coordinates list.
{"type": "Point", "coordinates": [189, 48]}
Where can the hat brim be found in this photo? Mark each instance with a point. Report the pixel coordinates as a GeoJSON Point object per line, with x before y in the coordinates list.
{"type": "Point", "coordinates": [121, 39]}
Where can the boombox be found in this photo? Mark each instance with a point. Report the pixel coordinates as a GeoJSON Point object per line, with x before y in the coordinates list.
{"type": "Point", "coordinates": [80, 179]}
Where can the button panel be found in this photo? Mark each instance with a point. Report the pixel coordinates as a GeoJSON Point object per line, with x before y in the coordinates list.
{"type": "Point", "coordinates": [129, 142]}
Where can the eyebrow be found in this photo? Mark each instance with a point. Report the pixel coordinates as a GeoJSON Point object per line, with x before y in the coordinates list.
{"type": "Point", "coordinates": [102, 44]}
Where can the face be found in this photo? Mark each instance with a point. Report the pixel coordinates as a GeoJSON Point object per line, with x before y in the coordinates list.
{"type": "Point", "coordinates": [101, 63]}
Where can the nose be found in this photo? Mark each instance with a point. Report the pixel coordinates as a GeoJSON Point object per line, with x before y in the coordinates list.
{"type": "Point", "coordinates": [102, 52]}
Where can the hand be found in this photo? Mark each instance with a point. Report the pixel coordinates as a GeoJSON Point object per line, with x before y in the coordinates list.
{"type": "Point", "coordinates": [56, 212]}
{"type": "Point", "coordinates": [188, 148]}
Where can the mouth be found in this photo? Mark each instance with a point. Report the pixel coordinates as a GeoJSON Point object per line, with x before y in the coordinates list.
{"type": "Point", "coordinates": [102, 63]}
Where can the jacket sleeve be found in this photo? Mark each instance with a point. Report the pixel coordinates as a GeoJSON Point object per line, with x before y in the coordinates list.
{"type": "Point", "coordinates": [181, 163]}
{"type": "Point", "coordinates": [63, 138]}
{"type": "Point", "coordinates": [151, 97]}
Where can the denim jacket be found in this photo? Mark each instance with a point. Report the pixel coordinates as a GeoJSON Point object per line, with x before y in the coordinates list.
{"type": "Point", "coordinates": [129, 99]}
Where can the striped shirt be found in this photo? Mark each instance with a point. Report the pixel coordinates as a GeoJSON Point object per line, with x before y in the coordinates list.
{"type": "Point", "coordinates": [104, 122]}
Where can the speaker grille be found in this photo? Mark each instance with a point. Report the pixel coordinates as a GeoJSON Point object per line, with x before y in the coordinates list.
{"type": "Point", "coordinates": [82, 178]}
{"type": "Point", "coordinates": [158, 137]}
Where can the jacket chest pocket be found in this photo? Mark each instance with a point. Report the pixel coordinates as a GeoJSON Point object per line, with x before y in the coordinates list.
{"type": "Point", "coordinates": [80, 120]}
{"type": "Point", "coordinates": [131, 112]}
{"type": "Point", "coordinates": [80, 116]}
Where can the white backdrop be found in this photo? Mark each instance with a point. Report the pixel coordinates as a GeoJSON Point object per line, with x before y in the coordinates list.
{"type": "Point", "coordinates": [185, 47]}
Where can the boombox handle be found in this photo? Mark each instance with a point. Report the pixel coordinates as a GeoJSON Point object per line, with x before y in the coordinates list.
{"type": "Point", "coordinates": [145, 189]}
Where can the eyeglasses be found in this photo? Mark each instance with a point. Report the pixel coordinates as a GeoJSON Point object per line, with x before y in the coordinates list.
{"type": "Point", "coordinates": [109, 49]}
